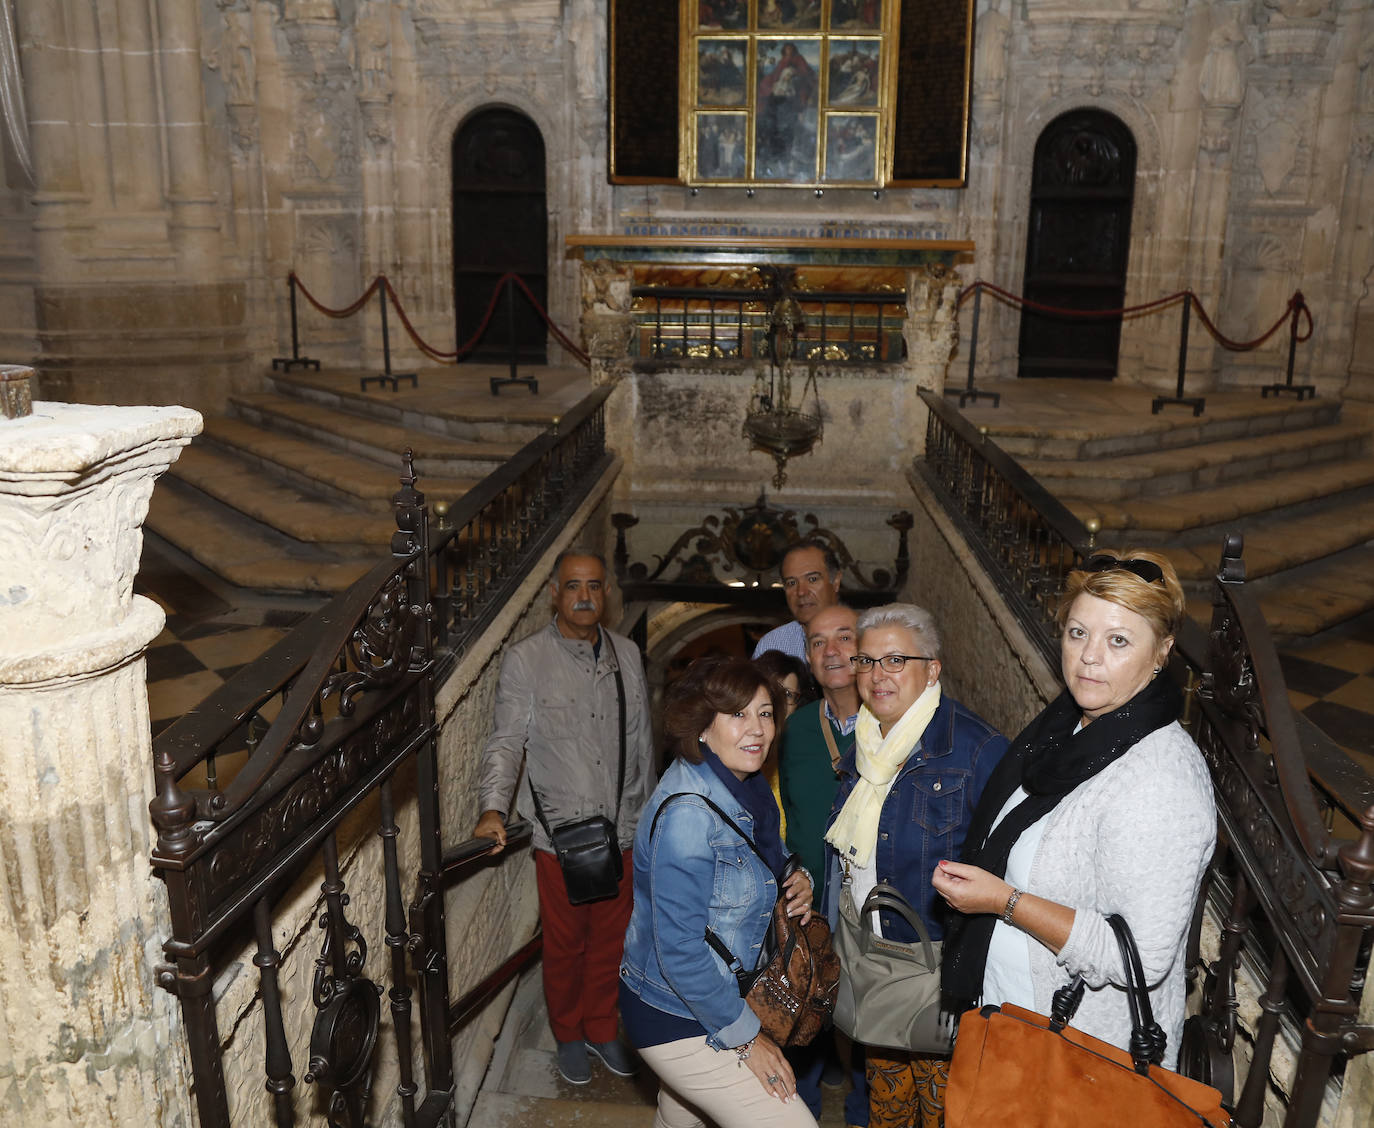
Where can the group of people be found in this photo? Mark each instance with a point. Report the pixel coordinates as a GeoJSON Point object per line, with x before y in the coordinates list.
{"type": "Point", "coordinates": [837, 743]}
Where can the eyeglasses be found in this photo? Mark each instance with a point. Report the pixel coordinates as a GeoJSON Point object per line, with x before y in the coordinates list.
{"type": "Point", "coordinates": [892, 663]}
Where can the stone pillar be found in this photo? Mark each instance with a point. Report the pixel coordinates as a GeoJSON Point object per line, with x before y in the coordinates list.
{"type": "Point", "coordinates": [86, 1037]}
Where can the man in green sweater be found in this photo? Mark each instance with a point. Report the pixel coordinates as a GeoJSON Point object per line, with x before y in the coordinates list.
{"type": "Point", "coordinates": [817, 736]}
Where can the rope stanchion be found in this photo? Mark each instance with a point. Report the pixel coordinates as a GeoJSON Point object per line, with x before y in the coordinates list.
{"type": "Point", "coordinates": [1297, 309]}
{"type": "Point", "coordinates": [286, 363]}
{"type": "Point", "coordinates": [1197, 403]}
{"type": "Point", "coordinates": [1296, 305]}
{"type": "Point", "coordinates": [969, 392]}
{"type": "Point", "coordinates": [387, 376]}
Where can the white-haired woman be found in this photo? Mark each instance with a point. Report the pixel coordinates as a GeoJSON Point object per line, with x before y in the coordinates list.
{"type": "Point", "coordinates": [906, 794]}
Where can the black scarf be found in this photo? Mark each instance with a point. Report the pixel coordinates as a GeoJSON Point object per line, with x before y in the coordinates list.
{"type": "Point", "coordinates": [1049, 760]}
{"type": "Point", "coordinates": [756, 797]}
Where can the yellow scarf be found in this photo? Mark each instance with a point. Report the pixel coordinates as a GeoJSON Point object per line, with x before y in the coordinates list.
{"type": "Point", "coordinates": [855, 830]}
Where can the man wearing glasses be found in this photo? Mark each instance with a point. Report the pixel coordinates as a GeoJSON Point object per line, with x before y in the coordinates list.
{"type": "Point", "coordinates": [811, 582]}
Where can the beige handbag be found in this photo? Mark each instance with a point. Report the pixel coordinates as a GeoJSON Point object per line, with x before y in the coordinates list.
{"type": "Point", "coordinates": [889, 991]}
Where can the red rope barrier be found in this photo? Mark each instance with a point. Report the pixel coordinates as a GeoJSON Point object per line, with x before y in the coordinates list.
{"type": "Point", "coordinates": [1295, 303]}
{"type": "Point", "coordinates": [424, 346]}
{"type": "Point", "coordinates": [347, 311]}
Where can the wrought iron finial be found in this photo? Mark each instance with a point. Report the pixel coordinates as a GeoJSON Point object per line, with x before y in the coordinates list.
{"type": "Point", "coordinates": [1094, 526]}
{"type": "Point", "coordinates": [1232, 567]}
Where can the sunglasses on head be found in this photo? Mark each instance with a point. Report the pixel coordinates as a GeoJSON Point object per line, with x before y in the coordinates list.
{"type": "Point", "coordinates": [1146, 570]}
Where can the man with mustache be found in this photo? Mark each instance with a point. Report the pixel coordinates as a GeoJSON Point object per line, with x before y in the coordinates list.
{"type": "Point", "coordinates": [811, 582]}
{"type": "Point", "coordinates": [558, 708]}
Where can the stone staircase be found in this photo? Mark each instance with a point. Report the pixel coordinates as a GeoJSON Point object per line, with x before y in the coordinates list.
{"type": "Point", "coordinates": [1295, 478]}
{"type": "Point", "coordinates": [523, 1089]}
{"type": "Point", "coordinates": [290, 491]}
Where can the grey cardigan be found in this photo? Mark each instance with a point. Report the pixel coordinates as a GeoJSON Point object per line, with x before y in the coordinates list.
{"type": "Point", "coordinates": [1135, 839]}
{"type": "Point", "coordinates": [556, 711]}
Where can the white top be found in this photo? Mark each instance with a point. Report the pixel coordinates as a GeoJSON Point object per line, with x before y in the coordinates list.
{"type": "Point", "coordinates": [1007, 977]}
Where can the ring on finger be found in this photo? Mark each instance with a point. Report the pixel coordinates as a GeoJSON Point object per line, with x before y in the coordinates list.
{"type": "Point", "coordinates": [773, 1079]}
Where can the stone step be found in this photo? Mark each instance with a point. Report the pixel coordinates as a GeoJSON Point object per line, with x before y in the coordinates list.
{"type": "Point", "coordinates": [451, 401]}
{"type": "Point", "coordinates": [509, 1110]}
{"type": "Point", "coordinates": [1097, 435]}
{"type": "Point", "coordinates": [1278, 542]}
{"type": "Point", "coordinates": [244, 553]}
{"type": "Point", "coordinates": [435, 455]}
{"type": "Point", "coordinates": [1229, 504]}
{"type": "Point", "coordinates": [266, 499]}
{"type": "Point", "coordinates": [346, 477]}
{"type": "Point", "coordinates": [1175, 469]}
{"type": "Point", "coordinates": [1306, 600]}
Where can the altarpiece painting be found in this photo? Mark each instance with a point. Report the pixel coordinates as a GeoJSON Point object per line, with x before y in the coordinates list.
{"type": "Point", "coordinates": [791, 93]}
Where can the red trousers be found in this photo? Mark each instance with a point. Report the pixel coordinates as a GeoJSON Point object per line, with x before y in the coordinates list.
{"type": "Point", "coordinates": [582, 949]}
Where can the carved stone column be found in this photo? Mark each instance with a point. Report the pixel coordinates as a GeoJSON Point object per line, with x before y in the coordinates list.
{"type": "Point", "coordinates": [87, 1036]}
{"type": "Point", "coordinates": [932, 332]}
{"type": "Point", "coordinates": [607, 322]}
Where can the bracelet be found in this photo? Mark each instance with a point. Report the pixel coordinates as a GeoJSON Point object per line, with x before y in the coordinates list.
{"type": "Point", "coordinates": [1011, 906]}
{"type": "Point", "coordinates": [742, 1052]}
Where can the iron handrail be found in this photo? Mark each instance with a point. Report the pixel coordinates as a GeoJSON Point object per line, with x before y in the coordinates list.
{"type": "Point", "coordinates": [471, 504]}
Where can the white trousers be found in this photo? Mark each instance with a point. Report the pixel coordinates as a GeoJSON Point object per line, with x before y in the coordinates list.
{"type": "Point", "coordinates": [697, 1081]}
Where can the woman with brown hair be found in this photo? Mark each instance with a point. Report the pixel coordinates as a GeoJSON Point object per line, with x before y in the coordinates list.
{"type": "Point", "coordinates": [1103, 805]}
{"type": "Point", "coordinates": [707, 857]}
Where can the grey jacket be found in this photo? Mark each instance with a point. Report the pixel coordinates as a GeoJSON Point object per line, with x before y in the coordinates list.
{"type": "Point", "coordinates": [556, 710]}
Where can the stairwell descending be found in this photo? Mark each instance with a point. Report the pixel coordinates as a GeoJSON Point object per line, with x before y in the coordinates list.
{"type": "Point", "coordinates": [290, 490]}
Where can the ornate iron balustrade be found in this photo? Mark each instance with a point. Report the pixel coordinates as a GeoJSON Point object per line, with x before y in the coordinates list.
{"type": "Point", "coordinates": [687, 324]}
{"type": "Point", "coordinates": [483, 545]}
{"type": "Point", "coordinates": [337, 722]}
{"type": "Point", "coordinates": [1295, 893]}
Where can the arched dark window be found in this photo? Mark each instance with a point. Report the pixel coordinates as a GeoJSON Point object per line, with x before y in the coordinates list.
{"type": "Point", "coordinates": [1082, 189]}
{"type": "Point", "coordinates": [500, 224]}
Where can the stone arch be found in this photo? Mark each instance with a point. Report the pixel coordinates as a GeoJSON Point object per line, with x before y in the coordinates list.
{"type": "Point", "coordinates": [1142, 263]}
{"type": "Point", "coordinates": [500, 224]}
{"type": "Point", "coordinates": [441, 127]}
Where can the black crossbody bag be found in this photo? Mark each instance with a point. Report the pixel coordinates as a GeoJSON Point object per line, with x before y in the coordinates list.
{"type": "Point", "coordinates": [588, 850]}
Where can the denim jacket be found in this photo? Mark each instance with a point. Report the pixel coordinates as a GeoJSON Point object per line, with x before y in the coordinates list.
{"type": "Point", "coordinates": [926, 814]}
{"type": "Point", "coordinates": [691, 873]}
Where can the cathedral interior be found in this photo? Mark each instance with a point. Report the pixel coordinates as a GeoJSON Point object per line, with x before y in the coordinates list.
{"type": "Point", "coordinates": [397, 299]}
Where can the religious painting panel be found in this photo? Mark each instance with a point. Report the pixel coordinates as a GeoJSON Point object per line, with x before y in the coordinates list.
{"type": "Point", "coordinates": [851, 148]}
{"type": "Point", "coordinates": [722, 15]}
{"type": "Point", "coordinates": [721, 146]}
{"type": "Point", "coordinates": [854, 68]}
{"type": "Point", "coordinates": [785, 115]}
{"type": "Point", "coordinates": [789, 15]}
{"type": "Point", "coordinates": [722, 72]}
{"type": "Point", "coordinates": [856, 15]}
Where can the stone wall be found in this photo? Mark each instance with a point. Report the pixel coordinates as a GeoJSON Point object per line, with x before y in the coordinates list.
{"type": "Point", "coordinates": [242, 138]}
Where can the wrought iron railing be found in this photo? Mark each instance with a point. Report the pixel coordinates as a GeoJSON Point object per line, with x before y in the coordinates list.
{"type": "Point", "coordinates": [254, 784]}
{"type": "Point", "coordinates": [687, 324]}
{"type": "Point", "coordinates": [1293, 879]}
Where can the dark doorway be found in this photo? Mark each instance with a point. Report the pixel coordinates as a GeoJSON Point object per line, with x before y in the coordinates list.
{"type": "Point", "coordinates": [500, 224]}
{"type": "Point", "coordinates": [1082, 188]}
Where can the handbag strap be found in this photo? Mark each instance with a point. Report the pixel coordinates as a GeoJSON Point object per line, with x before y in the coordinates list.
{"type": "Point", "coordinates": [1148, 1040]}
{"type": "Point", "coordinates": [620, 770]}
{"type": "Point", "coordinates": [829, 738]}
{"type": "Point", "coordinates": [743, 977]}
{"type": "Point", "coordinates": [885, 896]}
